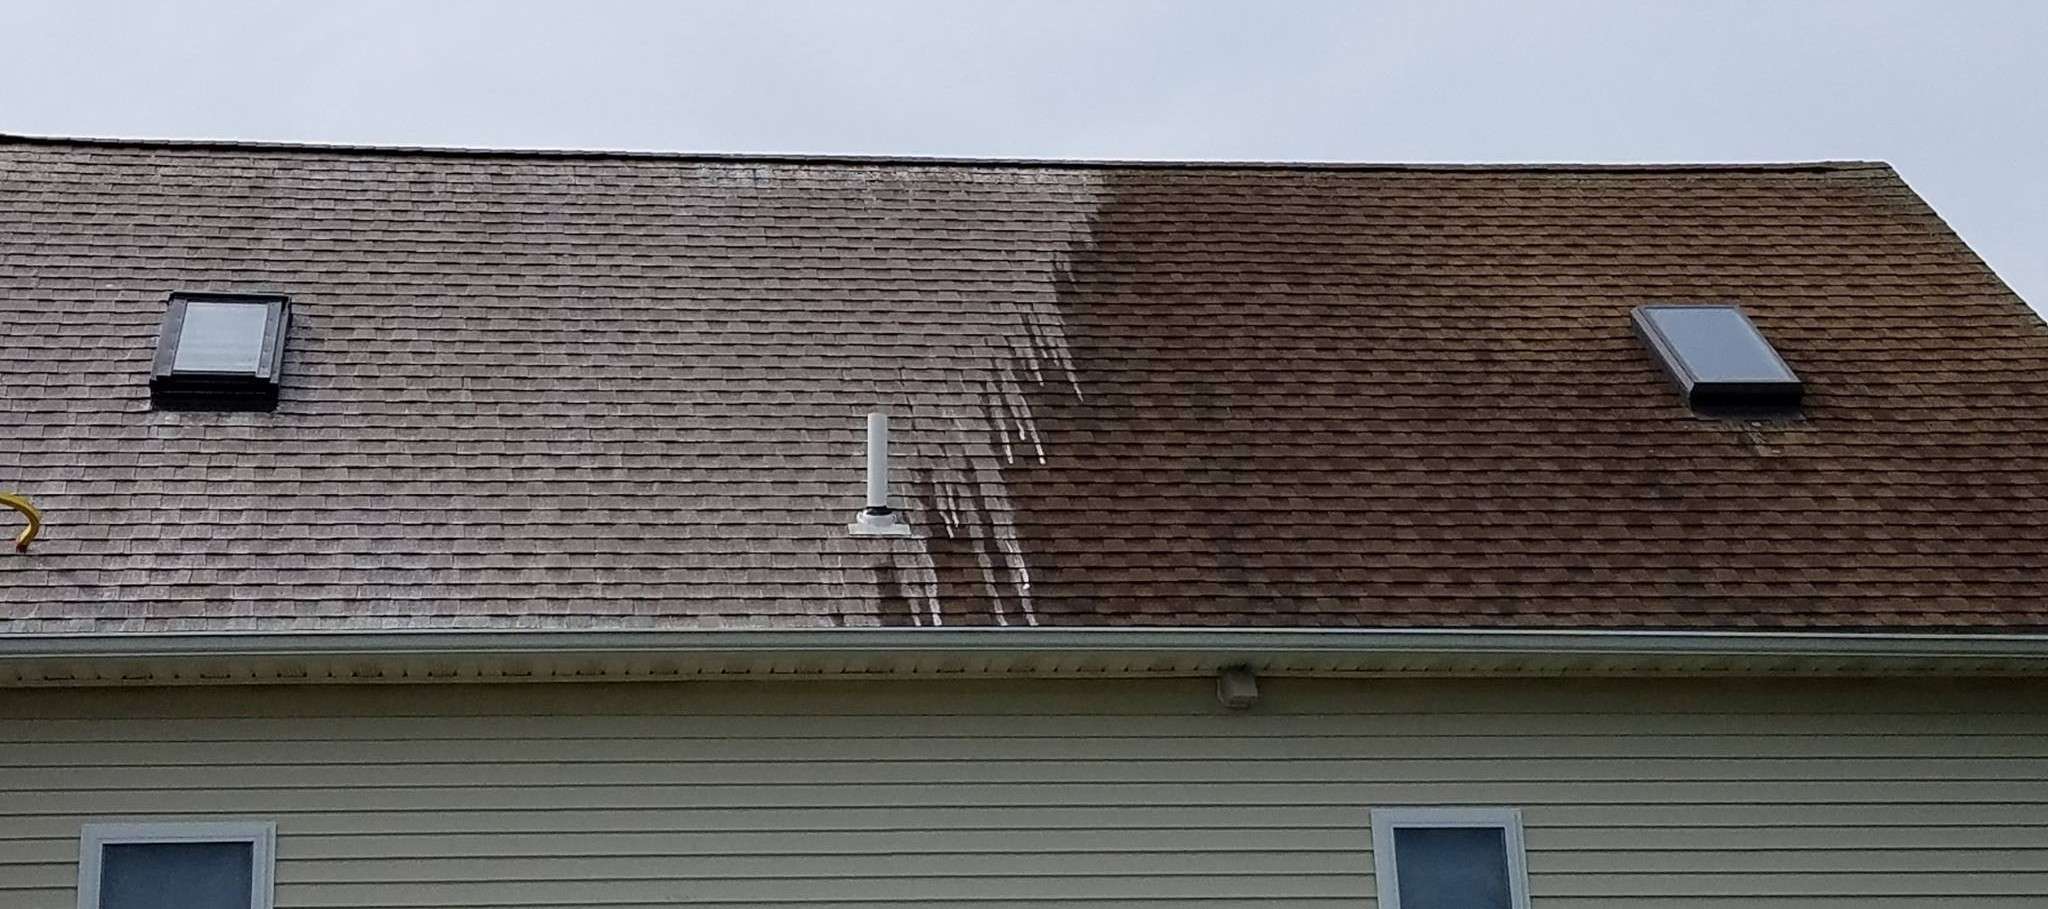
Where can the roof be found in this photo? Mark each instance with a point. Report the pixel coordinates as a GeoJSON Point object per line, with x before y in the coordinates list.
{"type": "Point", "coordinates": [588, 390]}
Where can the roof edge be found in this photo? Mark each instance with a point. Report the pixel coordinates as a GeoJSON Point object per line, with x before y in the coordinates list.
{"type": "Point", "coordinates": [498, 655]}
{"type": "Point", "coordinates": [238, 145]}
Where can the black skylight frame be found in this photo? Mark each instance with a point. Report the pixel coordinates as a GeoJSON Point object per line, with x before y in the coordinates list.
{"type": "Point", "coordinates": [174, 388]}
{"type": "Point", "coordinates": [1766, 384]}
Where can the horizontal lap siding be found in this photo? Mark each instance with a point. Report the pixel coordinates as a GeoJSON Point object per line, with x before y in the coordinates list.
{"type": "Point", "coordinates": [1670, 795]}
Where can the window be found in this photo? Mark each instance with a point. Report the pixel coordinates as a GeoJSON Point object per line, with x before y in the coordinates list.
{"type": "Point", "coordinates": [220, 352]}
{"type": "Point", "coordinates": [1449, 858]}
{"type": "Point", "coordinates": [176, 866]}
{"type": "Point", "coordinates": [1716, 357]}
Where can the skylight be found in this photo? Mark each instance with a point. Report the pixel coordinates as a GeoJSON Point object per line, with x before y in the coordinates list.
{"type": "Point", "coordinates": [1716, 357]}
{"type": "Point", "coordinates": [220, 352]}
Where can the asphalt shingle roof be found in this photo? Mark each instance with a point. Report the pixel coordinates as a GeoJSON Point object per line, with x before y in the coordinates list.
{"type": "Point", "coordinates": [590, 390]}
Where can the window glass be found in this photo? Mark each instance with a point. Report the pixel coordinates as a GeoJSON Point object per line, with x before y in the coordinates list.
{"type": "Point", "coordinates": [1452, 867]}
{"type": "Point", "coordinates": [176, 875]}
{"type": "Point", "coordinates": [1717, 344]}
{"type": "Point", "coordinates": [221, 337]}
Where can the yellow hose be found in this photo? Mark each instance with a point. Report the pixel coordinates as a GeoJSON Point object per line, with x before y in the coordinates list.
{"type": "Point", "coordinates": [35, 519]}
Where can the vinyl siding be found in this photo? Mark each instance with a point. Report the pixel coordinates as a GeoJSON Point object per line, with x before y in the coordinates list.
{"type": "Point", "coordinates": [1635, 793]}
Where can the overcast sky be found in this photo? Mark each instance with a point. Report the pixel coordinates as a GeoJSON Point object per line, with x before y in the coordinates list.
{"type": "Point", "coordinates": [1952, 93]}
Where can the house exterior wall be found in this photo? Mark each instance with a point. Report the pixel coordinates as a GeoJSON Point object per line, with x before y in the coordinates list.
{"type": "Point", "coordinates": [1665, 794]}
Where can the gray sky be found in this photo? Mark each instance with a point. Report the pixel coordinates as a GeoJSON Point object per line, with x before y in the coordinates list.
{"type": "Point", "coordinates": [1952, 93]}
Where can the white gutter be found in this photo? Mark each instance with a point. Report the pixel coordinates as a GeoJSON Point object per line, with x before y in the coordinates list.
{"type": "Point", "coordinates": [175, 657]}
{"type": "Point", "coordinates": [1033, 640]}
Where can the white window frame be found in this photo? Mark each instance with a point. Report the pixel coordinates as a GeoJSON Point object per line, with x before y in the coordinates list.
{"type": "Point", "coordinates": [1386, 820]}
{"type": "Point", "coordinates": [260, 835]}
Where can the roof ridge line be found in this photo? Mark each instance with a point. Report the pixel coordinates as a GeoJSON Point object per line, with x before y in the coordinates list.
{"type": "Point", "coordinates": [242, 145]}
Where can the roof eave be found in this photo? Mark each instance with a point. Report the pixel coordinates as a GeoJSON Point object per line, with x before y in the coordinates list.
{"type": "Point", "coordinates": [495, 655]}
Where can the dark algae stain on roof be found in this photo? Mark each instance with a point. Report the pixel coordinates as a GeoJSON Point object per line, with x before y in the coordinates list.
{"type": "Point", "coordinates": [1415, 399]}
{"type": "Point", "coordinates": [568, 390]}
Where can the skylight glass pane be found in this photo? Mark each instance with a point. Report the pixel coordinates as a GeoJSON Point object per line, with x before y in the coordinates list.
{"type": "Point", "coordinates": [1716, 344]}
{"type": "Point", "coordinates": [176, 875]}
{"type": "Point", "coordinates": [221, 337]}
{"type": "Point", "coordinates": [1452, 867]}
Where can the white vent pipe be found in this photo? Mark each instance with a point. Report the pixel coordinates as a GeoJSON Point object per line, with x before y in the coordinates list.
{"type": "Point", "coordinates": [878, 519]}
{"type": "Point", "coordinates": [878, 463]}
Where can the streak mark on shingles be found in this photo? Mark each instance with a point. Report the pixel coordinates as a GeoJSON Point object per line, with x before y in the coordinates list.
{"type": "Point", "coordinates": [986, 432]}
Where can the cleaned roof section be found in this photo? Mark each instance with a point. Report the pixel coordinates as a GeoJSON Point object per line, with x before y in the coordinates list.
{"type": "Point", "coordinates": [577, 390]}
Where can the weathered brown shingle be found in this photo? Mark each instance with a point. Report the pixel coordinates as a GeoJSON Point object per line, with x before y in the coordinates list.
{"type": "Point", "coordinates": [625, 391]}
